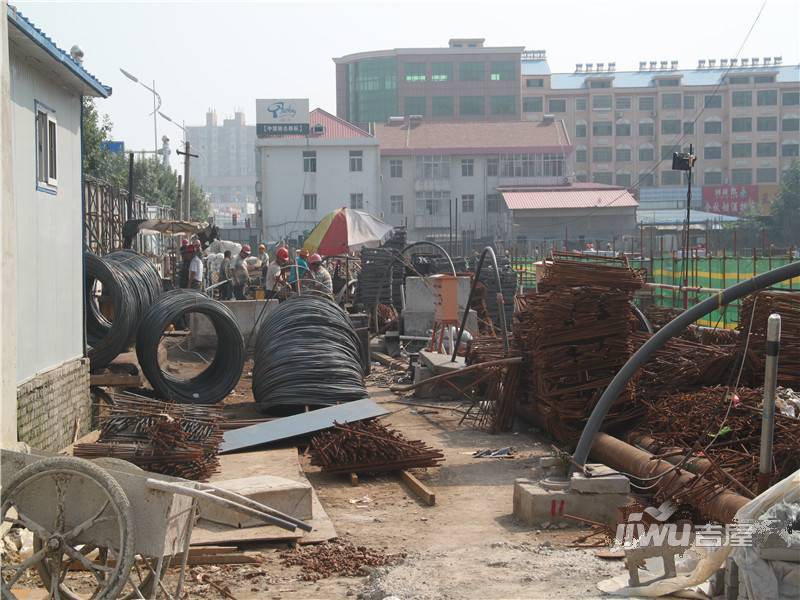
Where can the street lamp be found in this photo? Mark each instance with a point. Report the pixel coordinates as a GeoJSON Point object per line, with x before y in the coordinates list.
{"type": "Point", "coordinates": [156, 103]}
{"type": "Point", "coordinates": [166, 117]}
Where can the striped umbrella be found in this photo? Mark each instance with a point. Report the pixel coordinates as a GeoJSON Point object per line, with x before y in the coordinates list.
{"type": "Point", "coordinates": [346, 229]}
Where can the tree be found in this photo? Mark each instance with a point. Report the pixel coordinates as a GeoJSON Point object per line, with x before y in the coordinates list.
{"type": "Point", "coordinates": [159, 185]}
{"type": "Point", "coordinates": [98, 161]}
{"type": "Point", "coordinates": [786, 208]}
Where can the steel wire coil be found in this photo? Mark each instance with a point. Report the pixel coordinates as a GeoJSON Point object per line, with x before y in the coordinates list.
{"type": "Point", "coordinates": [220, 377]}
{"type": "Point", "coordinates": [307, 354]}
{"type": "Point", "coordinates": [130, 284]}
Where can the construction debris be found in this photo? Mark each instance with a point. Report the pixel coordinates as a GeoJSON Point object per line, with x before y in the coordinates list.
{"type": "Point", "coordinates": [369, 447]}
{"type": "Point", "coordinates": [342, 559]}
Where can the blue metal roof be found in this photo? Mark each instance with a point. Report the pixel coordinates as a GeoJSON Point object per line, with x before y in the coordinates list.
{"type": "Point", "coordinates": [671, 216]}
{"type": "Point", "coordinates": [645, 79]}
{"type": "Point", "coordinates": [40, 39]}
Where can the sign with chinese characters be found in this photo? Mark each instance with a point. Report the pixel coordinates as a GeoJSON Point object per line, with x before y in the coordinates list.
{"type": "Point", "coordinates": [281, 117]}
{"type": "Point", "coordinates": [113, 147]}
{"type": "Point", "coordinates": [736, 200]}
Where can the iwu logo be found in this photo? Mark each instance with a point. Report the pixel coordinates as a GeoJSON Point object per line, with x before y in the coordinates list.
{"type": "Point", "coordinates": [636, 534]}
{"type": "Point", "coordinates": [282, 111]}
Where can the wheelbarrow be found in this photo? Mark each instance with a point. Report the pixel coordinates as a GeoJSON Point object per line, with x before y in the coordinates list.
{"type": "Point", "coordinates": [106, 529]}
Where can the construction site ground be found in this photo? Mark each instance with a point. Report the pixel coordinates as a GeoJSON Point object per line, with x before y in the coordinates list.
{"type": "Point", "coordinates": [466, 546]}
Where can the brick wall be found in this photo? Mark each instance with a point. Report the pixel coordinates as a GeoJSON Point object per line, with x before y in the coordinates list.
{"type": "Point", "coordinates": [49, 404]}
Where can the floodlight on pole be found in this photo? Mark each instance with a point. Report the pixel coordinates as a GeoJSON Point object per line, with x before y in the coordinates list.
{"type": "Point", "coordinates": [156, 103]}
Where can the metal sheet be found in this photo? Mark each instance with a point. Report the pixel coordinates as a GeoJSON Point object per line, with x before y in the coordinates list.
{"type": "Point", "coordinates": [302, 424]}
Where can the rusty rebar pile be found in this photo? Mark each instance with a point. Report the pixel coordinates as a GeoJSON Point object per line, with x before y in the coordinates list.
{"type": "Point", "coordinates": [499, 388]}
{"type": "Point", "coordinates": [174, 439]}
{"type": "Point", "coordinates": [369, 447]}
{"type": "Point", "coordinates": [568, 269]}
{"type": "Point", "coordinates": [787, 305]}
{"type": "Point", "coordinates": [335, 558]}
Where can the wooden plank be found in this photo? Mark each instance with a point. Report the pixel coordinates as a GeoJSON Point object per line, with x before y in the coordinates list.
{"type": "Point", "coordinates": [115, 379]}
{"type": "Point", "coordinates": [421, 491]}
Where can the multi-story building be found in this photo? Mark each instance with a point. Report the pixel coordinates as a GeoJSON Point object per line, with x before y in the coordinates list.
{"type": "Point", "coordinates": [303, 177]}
{"type": "Point", "coordinates": [226, 166]}
{"type": "Point", "coordinates": [466, 81]}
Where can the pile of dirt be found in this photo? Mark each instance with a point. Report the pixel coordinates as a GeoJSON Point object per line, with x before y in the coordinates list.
{"type": "Point", "coordinates": [335, 558]}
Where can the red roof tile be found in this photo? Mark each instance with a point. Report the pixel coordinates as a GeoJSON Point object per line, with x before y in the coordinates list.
{"type": "Point", "coordinates": [473, 137]}
{"type": "Point", "coordinates": [590, 195]}
{"type": "Point", "coordinates": [333, 128]}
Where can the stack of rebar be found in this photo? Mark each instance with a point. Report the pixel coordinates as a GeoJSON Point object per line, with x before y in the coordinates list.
{"type": "Point", "coordinates": [369, 447]}
{"type": "Point", "coordinates": [172, 439]}
{"type": "Point", "coordinates": [508, 282]}
{"type": "Point", "coordinates": [499, 387]}
{"type": "Point", "coordinates": [381, 278]}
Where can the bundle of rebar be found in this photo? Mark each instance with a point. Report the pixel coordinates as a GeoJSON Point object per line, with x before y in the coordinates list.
{"type": "Point", "coordinates": [569, 269]}
{"type": "Point", "coordinates": [381, 276]}
{"type": "Point", "coordinates": [172, 439]}
{"type": "Point", "coordinates": [369, 447]}
{"type": "Point", "coordinates": [499, 388]}
{"type": "Point", "coordinates": [756, 309]}
{"type": "Point", "coordinates": [508, 283]}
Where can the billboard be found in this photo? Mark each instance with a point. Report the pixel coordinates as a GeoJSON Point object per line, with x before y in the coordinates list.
{"type": "Point", "coordinates": [285, 116]}
{"type": "Point", "coordinates": [736, 200]}
{"type": "Point", "coordinates": [113, 147]}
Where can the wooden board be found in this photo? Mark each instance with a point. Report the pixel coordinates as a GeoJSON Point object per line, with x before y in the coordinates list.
{"type": "Point", "coordinates": [421, 491]}
{"type": "Point", "coordinates": [115, 379]}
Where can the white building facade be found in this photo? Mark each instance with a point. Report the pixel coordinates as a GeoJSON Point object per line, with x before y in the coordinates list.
{"type": "Point", "coordinates": [303, 177]}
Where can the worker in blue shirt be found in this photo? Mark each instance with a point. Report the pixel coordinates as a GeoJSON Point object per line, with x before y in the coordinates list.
{"type": "Point", "coordinates": [301, 268]}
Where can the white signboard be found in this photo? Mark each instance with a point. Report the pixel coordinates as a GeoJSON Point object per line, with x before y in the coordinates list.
{"type": "Point", "coordinates": [281, 116]}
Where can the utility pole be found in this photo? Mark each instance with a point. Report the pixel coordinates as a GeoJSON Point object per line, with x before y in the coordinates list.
{"type": "Point", "coordinates": [180, 198]}
{"type": "Point", "coordinates": [131, 191]}
{"type": "Point", "coordinates": [187, 200]}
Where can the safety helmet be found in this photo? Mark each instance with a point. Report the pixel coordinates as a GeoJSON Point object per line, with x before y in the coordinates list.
{"type": "Point", "coordinates": [282, 254]}
{"type": "Point", "coordinates": [315, 258]}
{"type": "Point", "coordinates": [246, 248]}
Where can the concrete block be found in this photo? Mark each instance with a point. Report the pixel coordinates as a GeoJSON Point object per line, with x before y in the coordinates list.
{"type": "Point", "coordinates": [534, 504]}
{"type": "Point", "coordinates": [247, 313]}
{"type": "Point", "coordinates": [604, 481]}
{"type": "Point", "coordinates": [285, 495]}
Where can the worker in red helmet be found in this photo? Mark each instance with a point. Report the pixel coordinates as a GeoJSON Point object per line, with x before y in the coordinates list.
{"type": "Point", "coordinates": [319, 274]}
{"type": "Point", "coordinates": [240, 275]}
{"type": "Point", "coordinates": [187, 254]}
{"type": "Point", "coordinates": [274, 279]}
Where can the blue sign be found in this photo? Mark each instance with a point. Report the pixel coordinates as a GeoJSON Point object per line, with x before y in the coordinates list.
{"type": "Point", "coordinates": [113, 147]}
{"type": "Point", "coordinates": [266, 129]}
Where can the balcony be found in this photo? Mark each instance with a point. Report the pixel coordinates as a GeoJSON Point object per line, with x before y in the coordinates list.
{"type": "Point", "coordinates": [432, 185]}
{"type": "Point", "coordinates": [504, 181]}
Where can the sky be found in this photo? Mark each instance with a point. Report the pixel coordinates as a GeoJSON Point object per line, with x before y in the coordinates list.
{"type": "Point", "coordinates": [205, 55]}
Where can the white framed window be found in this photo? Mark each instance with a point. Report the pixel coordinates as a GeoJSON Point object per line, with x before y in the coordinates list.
{"type": "Point", "coordinates": [356, 160]}
{"type": "Point", "coordinates": [357, 201]}
{"type": "Point", "coordinates": [467, 167]}
{"type": "Point", "coordinates": [309, 202]}
{"type": "Point", "coordinates": [396, 205]}
{"type": "Point", "coordinates": [309, 161]}
{"type": "Point", "coordinates": [468, 203]}
{"type": "Point", "coordinates": [46, 148]}
{"type": "Point", "coordinates": [396, 167]}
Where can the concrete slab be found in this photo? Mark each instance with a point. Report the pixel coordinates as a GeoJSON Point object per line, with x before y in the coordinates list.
{"type": "Point", "coordinates": [534, 504]}
{"type": "Point", "coordinates": [604, 480]}
{"type": "Point", "coordinates": [285, 495]}
{"type": "Point", "coordinates": [441, 363]}
{"type": "Point", "coordinates": [247, 313]}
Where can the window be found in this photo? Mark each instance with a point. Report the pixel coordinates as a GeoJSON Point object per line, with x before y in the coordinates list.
{"type": "Point", "coordinates": [647, 103]}
{"type": "Point", "coordinates": [766, 175]}
{"type": "Point", "coordinates": [502, 71]}
{"type": "Point", "coordinates": [741, 124]}
{"type": "Point", "coordinates": [581, 177]}
{"type": "Point", "coordinates": [467, 167]}
{"type": "Point", "coordinates": [396, 205]}
{"type": "Point", "coordinates": [764, 79]}
{"type": "Point", "coordinates": [623, 154]}
{"type": "Point", "coordinates": [580, 155]}
{"type": "Point", "coordinates": [712, 152]}
{"type": "Point", "coordinates": [503, 105]}
{"type": "Point", "coordinates": [533, 104]}
{"type": "Point", "coordinates": [647, 128]}
{"type": "Point", "coordinates": [712, 178]}
{"type": "Point", "coordinates": [646, 153]}
{"type": "Point", "coordinates": [601, 155]}
{"type": "Point", "coordinates": [414, 72]}
{"type": "Point", "coordinates": [46, 147]}
{"type": "Point", "coordinates": [623, 179]}
{"type": "Point", "coordinates": [766, 149]}
{"type": "Point", "coordinates": [431, 203]}
{"type": "Point", "coordinates": [601, 102]}
{"type": "Point", "coordinates": [441, 71]}
{"type": "Point", "coordinates": [741, 150]}
{"type": "Point", "coordinates": [433, 166]}
{"type": "Point", "coordinates": [395, 167]}
{"type": "Point", "coordinates": [492, 167]}
{"type": "Point", "coordinates": [468, 203]}
{"type": "Point", "coordinates": [647, 180]}
{"type": "Point", "coordinates": [534, 83]}
{"type": "Point", "coordinates": [767, 97]}
{"type": "Point", "coordinates": [604, 178]}
{"type": "Point", "coordinates": [309, 161]}
{"type": "Point", "coordinates": [671, 178]}
{"type": "Point", "coordinates": [532, 165]}
{"type": "Point", "coordinates": [767, 124]}
{"type": "Point", "coordinates": [471, 105]}
{"type": "Point", "coordinates": [310, 201]}
{"type": "Point", "coordinates": [790, 149]}
{"type": "Point", "coordinates": [356, 160]}
{"type": "Point", "coordinates": [471, 71]}
{"type": "Point", "coordinates": [580, 104]}
{"type": "Point", "coordinates": [712, 127]}
{"type": "Point", "coordinates": [741, 176]}
{"type": "Point", "coordinates": [602, 128]}
{"type": "Point", "coordinates": [688, 102]}
{"type": "Point", "coordinates": [740, 80]}
{"type": "Point", "coordinates": [790, 124]}
{"type": "Point", "coordinates": [623, 129]}
{"type": "Point", "coordinates": [415, 105]}
{"type": "Point", "coordinates": [688, 128]}
{"type": "Point", "coordinates": [600, 84]}
{"type": "Point", "coordinates": [493, 203]}
{"type": "Point", "coordinates": [667, 151]}
{"type": "Point", "coordinates": [670, 126]}
{"type": "Point", "coordinates": [713, 101]}
{"type": "Point", "coordinates": [442, 106]}
{"type": "Point", "coordinates": [791, 98]}
{"type": "Point", "coordinates": [557, 105]}
{"type": "Point", "coordinates": [357, 201]}
{"type": "Point", "coordinates": [580, 130]}
{"type": "Point", "coordinates": [623, 103]}
{"type": "Point", "coordinates": [669, 83]}
{"type": "Point", "coordinates": [742, 99]}
{"type": "Point", "coordinates": [671, 101]}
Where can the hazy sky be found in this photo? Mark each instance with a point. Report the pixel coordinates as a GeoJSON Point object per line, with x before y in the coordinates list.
{"type": "Point", "coordinates": [225, 55]}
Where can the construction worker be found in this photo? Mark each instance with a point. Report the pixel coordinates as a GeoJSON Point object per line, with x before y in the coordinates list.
{"type": "Point", "coordinates": [273, 277]}
{"type": "Point", "coordinates": [187, 253]}
{"type": "Point", "coordinates": [196, 268]}
{"type": "Point", "coordinates": [262, 255]}
{"type": "Point", "coordinates": [319, 273]}
{"type": "Point", "coordinates": [301, 266]}
{"type": "Point", "coordinates": [240, 275]}
{"type": "Point", "coordinates": [226, 275]}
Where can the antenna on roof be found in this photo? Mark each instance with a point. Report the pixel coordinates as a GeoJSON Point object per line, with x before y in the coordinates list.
{"type": "Point", "coordinates": [578, 67]}
{"type": "Point", "coordinates": [653, 65]}
{"type": "Point", "coordinates": [712, 63]}
{"type": "Point", "coordinates": [777, 59]}
{"type": "Point", "coordinates": [767, 60]}
{"type": "Point", "coordinates": [664, 64]}
{"type": "Point", "coordinates": [642, 65]}
{"type": "Point", "coordinates": [701, 64]}
{"type": "Point", "coordinates": [745, 62]}
{"type": "Point", "coordinates": [612, 66]}
{"type": "Point", "coordinates": [673, 65]}
{"type": "Point", "coordinates": [723, 62]}
{"type": "Point", "coordinates": [600, 66]}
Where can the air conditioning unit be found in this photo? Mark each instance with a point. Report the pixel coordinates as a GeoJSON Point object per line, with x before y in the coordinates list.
{"type": "Point", "coordinates": [642, 65]}
{"type": "Point", "coordinates": [664, 64]}
{"type": "Point", "coordinates": [653, 115]}
{"type": "Point", "coordinates": [600, 66]}
{"type": "Point", "coordinates": [712, 63]}
{"type": "Point", "coordinates": [673, 65]}
{"type": "Point", "coordinates": [723, 62]}
{"type": "Point", "coordinates": [745, 62]}
{"type": "Point", "coordinates": [653, 65]}
{"type": "Point", "coordinates": [777, 60]}
{"type": "Point", "coordinates": [733, 62]}
{"type": "Point", "coordinates": [612, 66]}
{"type": "Point", "coordinates": [767, 61]}
{"type": "Point", "coordinates": [578, 67]}
{"type": "Point", "coordinates": [589, 67]}
{"type": "Point", "coordinates": [754, 61]}
{"type": "Point", "coordinates": [701, 64]}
